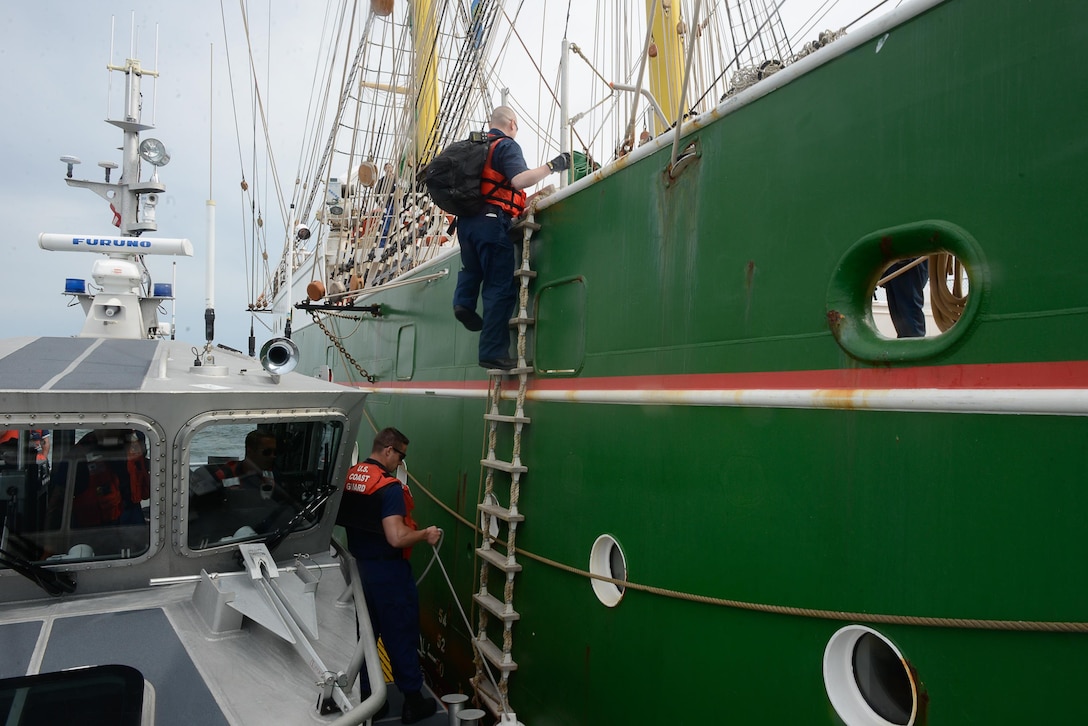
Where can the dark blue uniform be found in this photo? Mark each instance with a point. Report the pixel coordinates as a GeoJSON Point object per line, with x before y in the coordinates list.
{"type": "Point", "coordinates": [388, 584]}
{"type": "Point", "coordinates": [487, 259]}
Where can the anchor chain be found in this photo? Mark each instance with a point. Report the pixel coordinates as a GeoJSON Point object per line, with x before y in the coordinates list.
{"type": "Point", "coordinates": [340, 347]}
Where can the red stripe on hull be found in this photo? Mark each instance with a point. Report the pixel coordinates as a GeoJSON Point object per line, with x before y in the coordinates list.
{"type": "Point", "coordinates": [1022, 376]}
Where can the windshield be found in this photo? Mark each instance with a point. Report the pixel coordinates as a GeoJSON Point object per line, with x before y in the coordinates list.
{"type": "Point", "coordinates": [75, 493]}
{"type": "Point", "coordinates": [250, 480]}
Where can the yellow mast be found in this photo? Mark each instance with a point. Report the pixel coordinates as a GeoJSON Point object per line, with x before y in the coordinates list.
{"type": "Point", "coordinates": [667, 67]}
{"type": "Point", "coordinates": [424, 22]}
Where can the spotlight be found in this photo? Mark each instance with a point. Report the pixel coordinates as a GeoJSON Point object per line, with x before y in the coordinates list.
{"type": "Point", "coordinates": [154, 152]}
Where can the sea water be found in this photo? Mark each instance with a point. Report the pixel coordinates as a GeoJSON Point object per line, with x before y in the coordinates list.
{"type": "Point", "coordinates": [219, 442]}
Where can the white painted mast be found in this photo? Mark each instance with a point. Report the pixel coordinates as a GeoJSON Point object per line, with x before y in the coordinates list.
{"type": "Point", "coordinates": [209, 269]}
{"type": "Point", "coordinates": [123, 307]}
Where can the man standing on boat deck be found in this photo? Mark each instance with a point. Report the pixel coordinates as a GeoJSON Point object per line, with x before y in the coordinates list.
{"type": "Point", "coordinates": [487, 252]}
{"type": "Point", "coordinates": [376, 511]}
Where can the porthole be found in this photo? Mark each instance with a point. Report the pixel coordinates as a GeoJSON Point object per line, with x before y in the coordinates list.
{"type": "Point", "coordinates": [868, 681]}
{"type": "Point", "coordinates": [932, 272]}
{"type": "Point", "coordinates": [606, 559]}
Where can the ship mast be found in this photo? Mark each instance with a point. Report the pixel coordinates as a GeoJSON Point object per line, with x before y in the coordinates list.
{"type": "Point", "coordinates": [124, 306]}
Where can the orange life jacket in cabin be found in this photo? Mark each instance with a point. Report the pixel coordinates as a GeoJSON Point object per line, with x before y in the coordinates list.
{"type": "Point", "coordinates": [102, 500]}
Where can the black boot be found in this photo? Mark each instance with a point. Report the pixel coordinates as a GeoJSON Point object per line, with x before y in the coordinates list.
{"type": "Point", "coordinates": [416, 707]}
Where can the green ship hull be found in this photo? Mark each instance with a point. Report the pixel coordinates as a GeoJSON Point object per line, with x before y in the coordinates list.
{"type": "Point", "coordinates": [710, 391]}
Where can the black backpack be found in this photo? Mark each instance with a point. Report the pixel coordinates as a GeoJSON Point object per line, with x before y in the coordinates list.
{"type": "Point", "coordinates": [453, 177]}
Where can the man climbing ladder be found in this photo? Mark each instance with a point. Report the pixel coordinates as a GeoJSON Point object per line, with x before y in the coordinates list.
{"type": "Point", "coordinates": [487, 253]}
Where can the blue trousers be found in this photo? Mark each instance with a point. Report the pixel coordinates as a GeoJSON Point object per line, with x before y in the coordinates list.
{"type": "Point", "coordinates": [487, 262]}
{"type": "Point", "coordinates": [905, 299]}
{"type": "Point", "coordinates": [393, 602]}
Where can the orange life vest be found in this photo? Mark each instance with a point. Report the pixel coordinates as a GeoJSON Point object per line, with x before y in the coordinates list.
{"type": "Point", "coordinates": [497, 189]}
{"type": "Point", "coordinates": [368, 478]}
{"type": "Point", "coordinates": [37, 442]}
{"type": "Point", "coordinates": [139, 476]}
{"type": "Point", "coordinates": [98, 502]}
{"type": "Point", "coordinates": [101, 501]}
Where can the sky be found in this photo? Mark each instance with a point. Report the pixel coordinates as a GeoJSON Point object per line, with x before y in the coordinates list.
{"type": "Point", "coordinates": [58, 90]}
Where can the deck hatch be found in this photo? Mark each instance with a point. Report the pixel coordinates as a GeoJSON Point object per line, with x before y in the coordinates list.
{"type": "Point", "coordinates": [101, 695]}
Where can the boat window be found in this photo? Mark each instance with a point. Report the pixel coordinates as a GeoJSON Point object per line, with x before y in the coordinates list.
{"type": "Point", "coordinates": [869, 681]}
{"type": "Point", "coordinates": [80, 494]}
{"type": "Point", "coordinates": [907, 293]}
{"type": "Point", "coordinates": [250, 480]}
{"type": "Point", "coordinates": [607, 560]}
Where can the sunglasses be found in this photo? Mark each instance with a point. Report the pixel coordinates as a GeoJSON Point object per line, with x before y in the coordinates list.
{"type": "Point", "coordinates": [268, 452]}
{"type": "Point", "coordinates": [402, 454]}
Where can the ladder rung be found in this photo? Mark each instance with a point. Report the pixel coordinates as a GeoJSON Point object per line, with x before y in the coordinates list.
{"type": "Point", "coordinates": [494, 654]}
{"type": "Point", "coordinates": [526, 320]}
{"type": "Point", "coordinates": [525, 224]}
{"type": "Point", "coordinates": [503, 418]}
{"type": "Point", "coordinates": [511, 371]}
{"type": "Point", "coordinates": [501, 512]}
{"type": "Point", "coordinates": [506, 466]}
{"type": "Point", "coordinates": [498, 559]}
{"type": "Point", "coordinates": [525, 273]}
{"type": "Point", "coordinates": [496, 607]}
{"type": "Point", "coordinates": [489, 696]}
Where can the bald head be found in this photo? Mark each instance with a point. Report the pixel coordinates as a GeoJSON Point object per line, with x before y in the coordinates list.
{"type": "Point", "coordinates": [504, 119]}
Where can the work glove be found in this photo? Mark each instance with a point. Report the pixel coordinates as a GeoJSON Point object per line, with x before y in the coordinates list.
{"type": "Point", "coordinates": [560, 163]}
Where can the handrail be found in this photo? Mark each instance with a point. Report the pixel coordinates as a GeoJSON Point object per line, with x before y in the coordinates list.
{"type": "Point", "coordinates": [649, 97]}
{"type": "Point", "coordinates": [367, 650]}
{"type": "Point", "coordinates": [444, 272]}
{"type": "Point", "coordinates": [630, 132]}
{"type": "Point", "coordinates": [684, 87]}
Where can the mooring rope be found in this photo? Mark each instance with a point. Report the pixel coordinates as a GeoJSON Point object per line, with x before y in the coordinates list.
{"type": "Point", "coordinates": [844, 615]}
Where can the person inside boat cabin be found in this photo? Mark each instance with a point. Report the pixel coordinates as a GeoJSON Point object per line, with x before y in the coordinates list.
{"type": "Point", "coordinates": [37, 445]}
{"type": "Point", "coordinates": [253, 473]}
{"type": "Point", "coordinates": [487, 252]}
{"type": "Point", "coordinates": [376, 511]}
{"type": "Point", "coordinates": [112, 478]}
{"type": "Point", "coordinates": [255, 470]}
{"type": "Point", "coordinates": [238, 497]}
